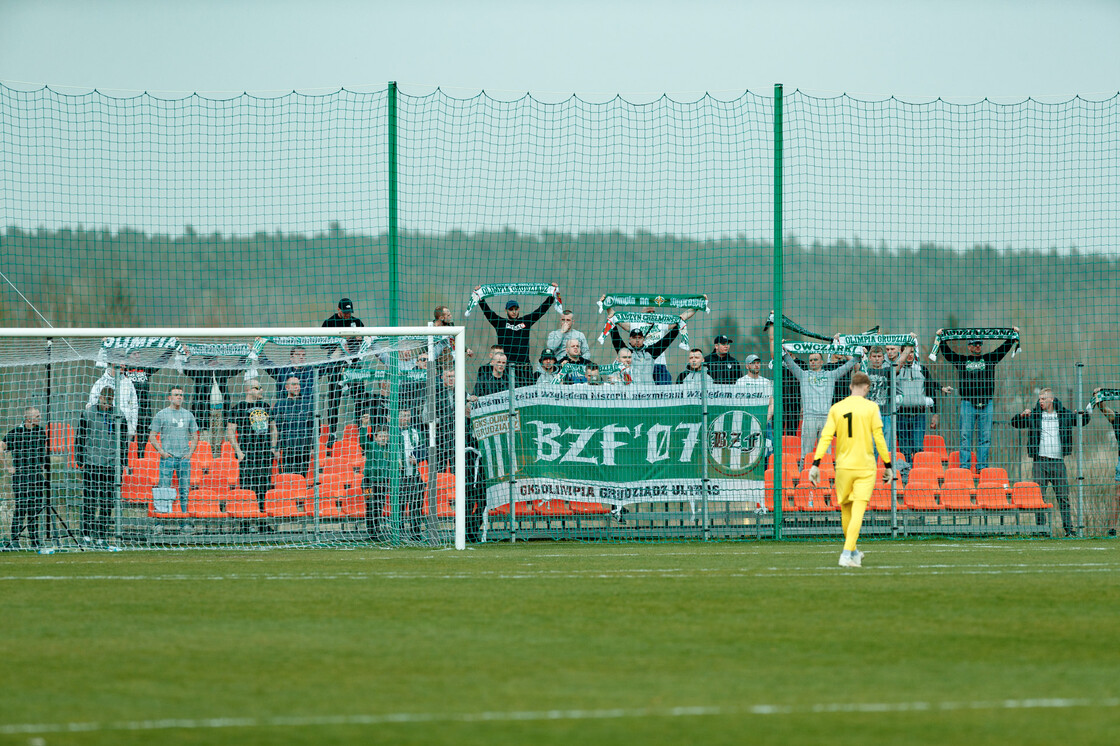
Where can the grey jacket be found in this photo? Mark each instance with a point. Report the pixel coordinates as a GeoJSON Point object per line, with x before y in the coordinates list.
{"type": "Point", "coordinates": [816, 386]}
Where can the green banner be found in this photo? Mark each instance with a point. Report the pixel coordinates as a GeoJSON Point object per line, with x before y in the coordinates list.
{"type": "Point", "coordinates": [623, 444]}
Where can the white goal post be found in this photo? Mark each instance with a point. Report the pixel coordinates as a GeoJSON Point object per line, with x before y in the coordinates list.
{"type": "Point", "coordinates": [343, 360]}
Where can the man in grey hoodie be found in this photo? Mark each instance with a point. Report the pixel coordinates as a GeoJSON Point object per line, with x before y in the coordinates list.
{"type": "Point", "coordinates": [816, 394]}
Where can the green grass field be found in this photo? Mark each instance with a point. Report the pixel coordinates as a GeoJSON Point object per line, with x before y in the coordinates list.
{"type": "Point", "coordinates": [550, 643]}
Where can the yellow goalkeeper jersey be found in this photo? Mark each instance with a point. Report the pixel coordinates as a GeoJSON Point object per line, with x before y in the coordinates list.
{"type": "Point", "coordinates": [856, 424]}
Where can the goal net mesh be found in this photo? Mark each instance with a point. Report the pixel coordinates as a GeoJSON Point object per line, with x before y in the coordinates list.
{"type": "Point", "coordinates": [228, 441]}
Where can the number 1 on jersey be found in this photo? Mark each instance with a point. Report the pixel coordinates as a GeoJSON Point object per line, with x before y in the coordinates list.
{"type": "Point", "coordinates": [848, 417]}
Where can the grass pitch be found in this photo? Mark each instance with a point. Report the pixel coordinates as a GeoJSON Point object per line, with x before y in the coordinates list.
{"type": "Point", "coordinates": [550, 643]}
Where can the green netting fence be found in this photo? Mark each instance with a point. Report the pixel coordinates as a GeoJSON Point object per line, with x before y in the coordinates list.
{"type": "Point", "coordinates": [843, 215]}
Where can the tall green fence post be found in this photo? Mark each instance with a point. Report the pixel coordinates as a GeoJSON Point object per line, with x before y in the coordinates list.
{"type": "Point", "coordinates": [393, 275]}
{"type": "Point", "coordinates": [778, 430]}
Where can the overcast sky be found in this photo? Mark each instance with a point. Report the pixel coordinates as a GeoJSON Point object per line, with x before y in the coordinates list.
{"type": "Point", "coordinates": [915, 50]}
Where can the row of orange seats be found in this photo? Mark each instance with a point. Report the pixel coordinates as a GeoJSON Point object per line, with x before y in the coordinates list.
{"type": "Point", "coordinates": [340, 495]}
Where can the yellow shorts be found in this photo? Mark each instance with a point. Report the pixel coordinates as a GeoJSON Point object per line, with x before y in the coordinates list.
{"type": "Point", "coordinates": [854, 485]}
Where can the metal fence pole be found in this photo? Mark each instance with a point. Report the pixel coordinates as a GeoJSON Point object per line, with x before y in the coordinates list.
{"type": "Point", "coordinates": [893, 447]}
{"type": "Point", "coordinates": [777, 351]}
{"type": "Point", "coordinates": [1079, 524]}
{"type": "Point", "coordinates": [392, 197]}
{"type": "Point", "coordinates": [315, 425]}
{"type": "Point", "coordinates": [704, 446]}
{"type": "Point", "coordinates": [512, 460]}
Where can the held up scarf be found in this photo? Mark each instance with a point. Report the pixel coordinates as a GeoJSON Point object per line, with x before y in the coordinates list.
{"type": "Point", "coordinates": [807, 348]}
{"type": "Point", "coordinates": [634, 317]}
{"type": "Point", "coordinates": [657, 300]}
{"type": "Point", "coordinates": [1001, 332]}
{"type": "Point", "coordinates": [604, 371]}
{"type": "Point", "coordinates": [1102, 396]}
{"type": "Point", "coordinates": [514, 288]}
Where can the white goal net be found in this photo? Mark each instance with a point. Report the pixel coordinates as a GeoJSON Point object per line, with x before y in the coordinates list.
{"type": "Point", "coordinates": [172, 438]}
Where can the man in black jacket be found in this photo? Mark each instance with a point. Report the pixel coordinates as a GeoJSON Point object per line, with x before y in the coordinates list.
{"type": "Point", "coordinates": [333, 372]}
{"type": "Point", "coordinates": [721, 366]}
{"type": "Point", "coordinates": [513, 332]}
{"type": "Point", "coordinates": [976, 381]}
{"type": "Point", "coordinates": [1049, 439]}
{"type": "Point", "coordinates": [30, 469]}
{"type": "Point", "coordinates": [494, 380]}
{"type": "Point", "coordinates": [101, 453]}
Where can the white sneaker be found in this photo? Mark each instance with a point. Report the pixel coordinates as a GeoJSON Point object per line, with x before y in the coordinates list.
{"type": "Point", "coordinates": [850, 561]}
{"type": "Point", "coordinates": [859, 556]}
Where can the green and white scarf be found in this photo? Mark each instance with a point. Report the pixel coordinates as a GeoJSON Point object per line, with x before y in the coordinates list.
{"type": "Point", "coordinates": [1102, 396]}
{"type": "Point", "coordinates": [793, 326]}
{"type": "Point", "coordinates": [568, 368]}
{"type": "Point", "coordinates": [514, 288]}
{"type": "Point", "coordinates": [657, 300]}
{"type": "Point", "coordinates": [358, 374]}
{"type": "Point", "coordinates": [827, 350]}
{"type": "Point", "coordinates": [878, 340]}
{"type": "Point", "coordinates": [948, 335]}
{"type": "Point", "coordinates": [646, 319]}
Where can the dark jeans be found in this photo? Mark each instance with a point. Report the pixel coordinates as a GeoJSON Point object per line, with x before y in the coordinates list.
{"type": "Point", "coordinates": [31, 500]}
{"type": "Point", "coordinates": [256, 474]}
{"type": "Point", "coordinates": [1052, 471]}
{"type": "Point", "coordinates": [911, 433]}
{"type": "Point", "coordinates": [97, 501]}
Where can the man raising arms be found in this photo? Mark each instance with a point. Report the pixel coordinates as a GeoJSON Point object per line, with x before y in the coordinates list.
{"type": "Point", "coordinates": [856, 424]}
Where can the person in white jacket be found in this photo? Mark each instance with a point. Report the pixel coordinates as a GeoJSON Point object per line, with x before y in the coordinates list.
{"type": "Point", "coordinates": [126, 398]}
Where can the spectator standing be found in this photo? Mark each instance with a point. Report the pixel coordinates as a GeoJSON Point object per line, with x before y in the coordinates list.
{"type": "Point", "coordinates": [816, 394]}
{"type": "Point", "coordinates": [882, 383]}
{"type": "Point", "coordinates": [124, 395]}
{"type": "Point", "coordinates": [1049, 427]}
{"type": "Point", "coordinates": [30, 470]}
{"type": "Point", "coordinates": [494, 380]}
{"type": "Point", "coordinates": [722, 367]}
{"type": "Point", "coordinates": [444, 345]}
{"type": "Point", "coordinates": [343, 317]}
{"type": "Point", "coordinates": [572, 356]}
{"type": "Point", "coordinates": [695, 368]}
{"type": "Point", "coordinates": [791, 391]}
{"type": "Point", "coordinates": [625, 360]}
{"type": "Point", "coordinates": [174, 436]}
{"type": "Point", "coordinates": [411, 489]}
{"type": "Point", "coordinates": [547, 367]}
{"type": "Point", "coordinates": [757, 383]}
{"type": "Point", "coordinates": [297, 366]}
{"type": "Point", "coordinates": [641, 370]}
{"type": "Point", "coordinates": [293, 426]}
{"type": "Point", "coordinates": [374, 442]}
{"type": "Point", "coordinates": [654, 333]}
{"type": "Point", "coordinates": [1114, 509]}
{"type": "Point", "coordinates": [141, 377]}
{"type": "Point", "coordinates": [513, 331]}
{"type": "Point", "coordinates": [917, 396]}
{"type": "Point", "coordinates": [976, 380]}
{"type": "Point", "coordinates": [485, 367]}
{"type": "Point", "coordinates": [558, 338]}
{"type": "Point", "coordinates": [101, 453]}
{"type": "Point", "coordinates": [249, 431]}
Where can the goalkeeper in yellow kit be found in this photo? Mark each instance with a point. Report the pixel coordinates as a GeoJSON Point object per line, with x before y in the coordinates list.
{"type": "Point", "coordinates": [856, 424]}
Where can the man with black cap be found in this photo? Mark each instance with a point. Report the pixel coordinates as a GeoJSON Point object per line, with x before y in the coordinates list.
{"type": "Point", "coordinates": [513, 332]}
{"type": "Point", "coordinates": [641, 370]}
{"type": "Point", "coordinates": [976, 381]}
{"type": "Point", "coordinates": [721, 366]}
{"type": "Point", "coordinates": [333, 372]}
{"type": "Point", "coordinates": [547, 367]}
